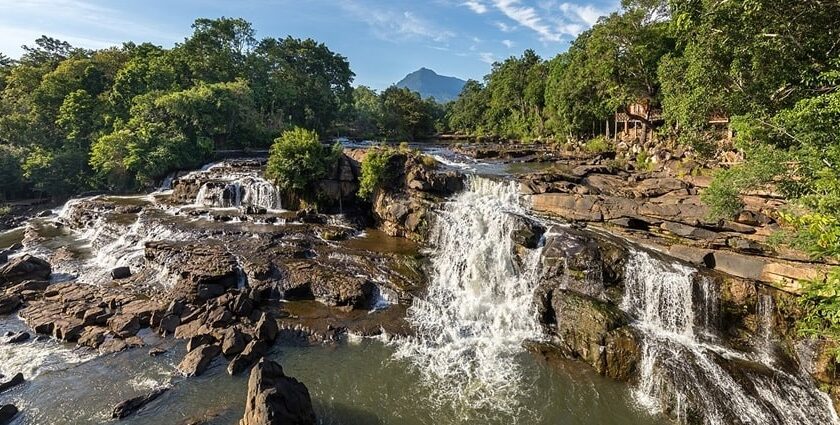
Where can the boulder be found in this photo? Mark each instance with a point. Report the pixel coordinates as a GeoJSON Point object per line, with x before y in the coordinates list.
{"type": "Point", "coordinates": [234, 342]}
{"type": "Point", "coordinates": [124, 326]}
{"type": "Point", "coordinates": [132, 405]}
{"type": "Point", "coordinates": [9, 304]}
{"type": "Point", "coordinates": [156, 351]}
{"type": "Point", "coordinates": [121, 273]}
{"type": "Point", "coordinates": [274, 398]}
{"type": "Point", "coordinates": [13, 382]}
{"type": "Point", "coordinates": [198, 360]}
{"type": "Point", "coordinates": [199, 340]}
{"type": "Point", "coordinates": [7, 413]}
{"type": "Point", "coordinates": [25, 267]}
{"type": "Point", "coordinates": [266, 329]}
{"type": "Point", "coordinates": [18, 338]}
{"type": "Point", "coordinates": [252, 352]}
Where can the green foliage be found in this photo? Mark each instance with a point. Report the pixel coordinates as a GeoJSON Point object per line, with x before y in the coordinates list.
{"type": "Point", "coordinates": [374, 171]}
{"type": "Point", "coordinates": [644, 162]}
{"type": "Point", "coordinates": [820, 304]}
{"type": "Point", "coordinates": [5, 210]}
{"type": "Point", "coordinates": [598, 144]}
{"type": "Point", "coordinates": [120, 118]}
{"type": "Point", "coordinates": [298, 159]}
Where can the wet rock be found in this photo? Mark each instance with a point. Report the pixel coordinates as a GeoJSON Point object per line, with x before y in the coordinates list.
{"type": "Point", "coordinates": [252, 352]}
{"type": "Point", "coordinates": [7, 413]}
{"type": "Point", "coordinates": [132, 405]}
{"type": "Point", "coordinates": [92, 337]}
{"type": "Point", "coordinates": [25, 267]}
{"type": "Point", "coordinates": [242, 305]}
{"type": "Point", "coordinates": [266, 328]}
{"type": "Point", "coordinates": [329, 285]}
{"type": "Point", "coordinates": [121, 273]}
{"type": "Point", "coordinates": [200, 270]}
{"type": "Point", "coordinates": [198, 360]}
{"type": "Point", "coordinates": [595, 332]}
{"type": "Point", "coordinates": [4, 256]}
{"type": "Point", "coordinates": [169, 323]}
{"type": "Point", "coordinates": [274, 398]}
{"type": "Point", "coordinates": [199, 340]}
{"type": "Point", "coordinates": [124, 326]}
{"type": "Point", "coordinates": [219, 317]}
{"type": "Point", "coordinates": [18, 337]}
{"type": "Point", "coordinates": [11, 383]}
{"type": "Point", "coordinates": [9, 304]}
{"type": "Point", "coordinates": [234, 342]}
{"type": "Point", "coordinates": [156, 351]}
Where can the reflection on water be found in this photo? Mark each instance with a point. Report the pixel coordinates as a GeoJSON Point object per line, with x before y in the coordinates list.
{"type": "Point", "coordinates": [356, 384]}
{"type": "Point", "coordinates": [376, 240]}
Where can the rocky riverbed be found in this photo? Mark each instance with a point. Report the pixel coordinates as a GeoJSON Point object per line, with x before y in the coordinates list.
{"type": "Point", "coordinates": [624, 274]}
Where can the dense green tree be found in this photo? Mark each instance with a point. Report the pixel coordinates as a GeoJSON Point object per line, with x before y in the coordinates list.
{"type": "Point", "coordinates": [466, 113]}
{"type": "Point", "coordinates": [406, 115]}
{"type": "Point", "coordinates": [298, 159]}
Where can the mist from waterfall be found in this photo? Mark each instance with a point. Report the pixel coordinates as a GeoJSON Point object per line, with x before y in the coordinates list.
{"type": "Point", "coordinates": [683, 369]}
{"type": "Point", "coordinates": [479, 308]}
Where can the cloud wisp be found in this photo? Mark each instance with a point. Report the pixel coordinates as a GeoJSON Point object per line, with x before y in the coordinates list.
{"type": "Point", "coordinates": [393, 25]}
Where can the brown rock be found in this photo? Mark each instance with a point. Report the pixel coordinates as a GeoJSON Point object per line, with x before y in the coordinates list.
{"type": "Point", "coordinates": [198, 360]}
{"type": "Point", "coordinates": [25, 267]}
{"type": "Point", "coordinates": [252, 352]}
{"type": "Point", "coordinates": [274, 398]}
{"type": "Point", "coordinates": [124, 326]}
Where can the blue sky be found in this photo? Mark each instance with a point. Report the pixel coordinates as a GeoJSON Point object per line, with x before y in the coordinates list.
{"type": "Point", "coordinates": [384, 40]}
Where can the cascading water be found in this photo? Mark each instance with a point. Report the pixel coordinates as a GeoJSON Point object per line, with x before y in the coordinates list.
{"type": "Point", "coordinates": [685, 372]}
{"type": "Point", "coordinates": [244, 191]}
{"type": "Point", "coordinates": [479, 307]}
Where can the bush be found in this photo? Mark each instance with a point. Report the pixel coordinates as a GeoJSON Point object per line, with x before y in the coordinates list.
{"type": "Point", "coordinates": [297, 160]}
{"type": "Point", "coordinates": [5, 210]}
{"type": "Point", "coordinates": [599, 144]}
{"type": "Point", "coordinates": [643, 161]}
{"type": "Point", "coordinates": [374, 171]}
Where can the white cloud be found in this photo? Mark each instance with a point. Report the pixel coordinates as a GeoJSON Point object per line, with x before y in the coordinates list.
{"type": "Point", "coordinates": [392, 25]}
{"type": "Point", "coordinates": [476, 6]}
{"type": "Point", "coordinates": [487, 57]}
{"type": "Point", "coordinates": [503, 27]}
{"type": "Point", "coordinates": [508, 43]}
{"type": "Point", "coordinates": [22, 21]}
{"type": "Point", "coordinates": [527, 17]}
{"type": "Point", "coordinates": [588, 13]}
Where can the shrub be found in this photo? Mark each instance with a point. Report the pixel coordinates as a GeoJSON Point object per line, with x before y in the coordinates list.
{"type": "Point", "coordinates": [643, 161]}
{"type": "Point", "coordinates": [599, 144]}
{"type": "Point", "coordinates": [297, 160]}
{"type": "Point", "coordinates": [5, 210]}
{"type": "Point", "coordinates": [374, 171]}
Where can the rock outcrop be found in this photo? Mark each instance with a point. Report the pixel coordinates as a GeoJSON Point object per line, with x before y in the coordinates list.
{"type": "Point", "coordinates": [127, 407]}
{"type": "Point", "coordinates": [25, 267]}
{"type": "Point", "coordinates": [275, 399]}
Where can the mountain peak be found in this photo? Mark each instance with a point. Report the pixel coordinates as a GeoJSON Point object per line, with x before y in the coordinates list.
{"type": "Point", "coordinates": [431, 84]}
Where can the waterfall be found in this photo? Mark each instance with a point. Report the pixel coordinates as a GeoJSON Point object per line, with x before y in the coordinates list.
{"type": "Point", "coordinates": [765, 311]}
{"type": "Point", "coordinates": [684, 370]}
{"type": "Point", "coordinates": [479, 308]}
{"type": "Point", "coordinates": [242, 192]}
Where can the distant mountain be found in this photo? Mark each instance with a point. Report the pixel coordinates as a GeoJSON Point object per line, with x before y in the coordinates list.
{"type": "Point", "coordinates": [429, 84]}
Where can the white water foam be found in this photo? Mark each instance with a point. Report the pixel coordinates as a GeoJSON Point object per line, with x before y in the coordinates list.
{"type": "Point", "coordinates": [479, 308]}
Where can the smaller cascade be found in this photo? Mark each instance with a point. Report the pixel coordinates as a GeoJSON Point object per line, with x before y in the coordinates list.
{"type": "Point", "coordinates": [242, 192]}
{"type": "Point", "coordinates": [686, 372]}
{"type": "Point", "coordinates": [765, 310]}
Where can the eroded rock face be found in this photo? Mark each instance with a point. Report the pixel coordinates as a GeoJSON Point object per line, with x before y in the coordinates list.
{"type": "Point", "coordinates": [402, 206]}
{"type": "Point", "coordinates": [275, 399]}
{"type": "Point", "coordinates": [199, 271]}
{"type": "Point", "coordinates": [25, 267]}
